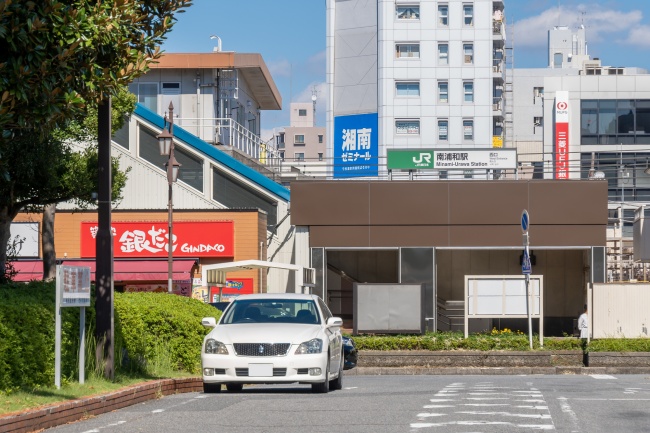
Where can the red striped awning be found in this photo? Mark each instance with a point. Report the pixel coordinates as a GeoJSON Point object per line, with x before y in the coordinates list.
{"type": "Point", "coordinates": [123, 270]}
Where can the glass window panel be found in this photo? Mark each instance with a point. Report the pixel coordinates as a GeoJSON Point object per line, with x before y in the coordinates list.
{"type": "Point", "coordinates": [407, 88]}
{"type": "Point", "coordinates": [468, 51]}
{"type": "Point", "coordinates": [468, 13]}
{"type": "Point", "coordinates": [407, 127]}
{"type": "Point", "coordinates": [408, 12]}
{"type": "Point", "coordinates": [443, 15]}
{"type": "Point", "coordinates": [443, 92]}
{"type": "Point", "coordinates": [468, 129]}
{"type": "Point", "coordinates": [148, 95]}
{"type": "Point", "coordinates": [443, 54]}
{"type": "Point", "coordinates": [625, 116]}
{"type": "Point", "coordinates": [191, 171]}
{"type": "Point", "coordinates": [407, 50]}
{"type": "Point", "coordinates": [121, 136]}
{"type": "Point", "coordinates": [443, 130]}
{"type": "Point", "coordinates": [642, 118]}
{"type": "Point", "coordinates": [468, 89]}
{"type": "Point", "coordinates": [607, 117]}
{"type": "Point", "coordinates": [234, 195]}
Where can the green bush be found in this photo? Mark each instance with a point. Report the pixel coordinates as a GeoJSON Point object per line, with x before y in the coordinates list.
{"type": "Point", "coordinates": [158, 332]}
{"type": "Point", "coordinates": [154, 332]}
{"type": "Point", "coordinates": [620, 345]}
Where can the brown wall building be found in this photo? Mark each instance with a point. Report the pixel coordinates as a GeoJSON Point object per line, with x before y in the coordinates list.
{"type": "Point", "coordinates": [437, 232]}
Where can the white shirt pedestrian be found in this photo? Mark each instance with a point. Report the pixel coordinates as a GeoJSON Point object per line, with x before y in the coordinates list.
{"type": "Point", "coordinates": [583, 325]}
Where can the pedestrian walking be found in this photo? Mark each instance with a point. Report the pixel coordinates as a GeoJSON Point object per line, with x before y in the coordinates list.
{"type": "Point", "coordinates": [583, 327]}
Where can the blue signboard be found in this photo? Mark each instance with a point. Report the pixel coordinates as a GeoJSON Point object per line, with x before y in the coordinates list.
{"type": "Point", "coordinates": [356, 151]}
{"type": "Point", "coordinates": [526, 268]}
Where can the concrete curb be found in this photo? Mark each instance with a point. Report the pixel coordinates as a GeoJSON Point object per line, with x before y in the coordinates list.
{"type": "Point", "coordinates": [511, 371]}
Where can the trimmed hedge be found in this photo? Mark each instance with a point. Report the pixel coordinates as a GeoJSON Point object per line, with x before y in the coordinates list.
{"type": "Point", "coordinates": [153, 332]}
{"type": "Point", "coordinates": [457, 341]}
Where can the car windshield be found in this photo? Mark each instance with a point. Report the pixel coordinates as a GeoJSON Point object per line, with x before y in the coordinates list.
{"type": "Point", "coordinates": [271, 311]}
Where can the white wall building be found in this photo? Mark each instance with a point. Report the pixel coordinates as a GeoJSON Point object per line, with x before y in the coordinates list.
{"type": "Point", "coordinates": [423, 74]}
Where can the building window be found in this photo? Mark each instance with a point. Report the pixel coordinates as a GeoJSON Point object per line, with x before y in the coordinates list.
{"type": "Point", "coordinates": [468, 129]}
{"type": "Point", "coordinates": [148, 95]}
{"type": "Point", "coordinates": [320, 156]}
{"type": "Point", "coordinates": [407, 88]}
{"type": "Point", "coordinates": [299, 156]}
{"type": "Point", "coordinates": [538, 121]}
{"type": "Point", "coordinates": [280, 140]}
{"type": "Point", "coordinates": [302, 112]}
{"type": "Point", "coordinates": [443, 92]}
{"type": "Point", "coordinates": [443, 54]}
{"type": "Point", "coordinates": [191, 171]}
{"type": "Point", "coordinates": [443, 130]}
{"type": "Point", "coordinates": [468, 50]}
{"type": "Point", "coordinates": [407, 12]}
{"type": "Point", "coordinates": [407, 50]}
{"type": "Point", "coordinates": [299, 139]}
{"type": "Point", "coordinates": [407, 127]}
{"type": "Point", "coordinates": [615, 121]}
{"type": "Point", "coordinates": [442, 174]}
{"type": "Point", "coordinates": [468, 174]}
{"type": "Point", "coordinates": [282, 155]}
{"type": "Point", "coordinates": [320, 138]}
{"type": "Point", "coordinates": [443, 15]}
{"type": "Point", "coordinates": [468, 91]}
{"type": "Point", "coordinates": [468, 14]}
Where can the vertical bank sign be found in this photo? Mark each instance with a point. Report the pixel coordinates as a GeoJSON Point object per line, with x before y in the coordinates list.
{"type": "Point", "coordinates": [355, 146]}
{"type": "Point", "coordinates": [562, 135]}
{"type": "Point", "coordinates": [150, 239]}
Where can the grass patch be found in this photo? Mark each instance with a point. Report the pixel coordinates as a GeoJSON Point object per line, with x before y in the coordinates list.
{"type": "Point", "coordinates": [20, 400]}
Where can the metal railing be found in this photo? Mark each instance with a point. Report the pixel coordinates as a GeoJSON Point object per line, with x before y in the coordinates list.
{"type": "Point", "coordinates": [228, 132]}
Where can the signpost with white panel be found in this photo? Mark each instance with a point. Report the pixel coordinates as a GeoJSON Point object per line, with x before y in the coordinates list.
{"type": "Point", "coordinates": [72, 290]}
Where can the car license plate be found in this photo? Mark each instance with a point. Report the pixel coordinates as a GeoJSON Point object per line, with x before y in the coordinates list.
{"type": "Point", "coordinates": [260, 370]}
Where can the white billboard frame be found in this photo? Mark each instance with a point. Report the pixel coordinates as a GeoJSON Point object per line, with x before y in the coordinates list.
{"type": "Point", "coordinates": [485, 298]}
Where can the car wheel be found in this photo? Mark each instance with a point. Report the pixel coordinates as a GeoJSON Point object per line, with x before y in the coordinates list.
{"type": "Point", "coordinates": [234, 387]}
{"type": "Point", "coordinates": [338, 382]}
{"type": "Point", "coordinates": [211, 388]}
{"type": "Point", "coordinates": [324, 386]}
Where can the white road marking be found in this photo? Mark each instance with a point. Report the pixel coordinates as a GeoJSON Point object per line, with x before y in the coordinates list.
{"type": "Point", "coordinates": [439, 400]}
{"type": "Point", "coordinates": [426, 415]}
{"type": "Point", "coordinates": [566, 408]}
{"type": "Point", "coordinates": [518, 415]}
{"type": "Point", "coordinates": [602, 376]}
{"type": "Point", "coordinates": [351, 387]}
{"type": "Point", "coordinates": [488, 398]}
{"type": "Point", "coordinates": [91, 431]}
{"type": "Point", "coordinates": [157, 410]}
{"type": "Point", "coordinates": [438, 406]}
{"type": "Point", "coordinates": [443, 424]}
{"type": "Point", "coordinates": [485, 404]}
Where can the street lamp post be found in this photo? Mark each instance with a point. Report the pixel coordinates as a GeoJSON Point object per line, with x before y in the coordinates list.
{"type": "Point", "coordinates": [166, 143]}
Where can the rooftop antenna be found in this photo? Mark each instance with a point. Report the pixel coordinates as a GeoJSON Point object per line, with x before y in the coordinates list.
{"type": "Point", "coordinates": [314, 97]}
{"type": "Point", "coordinates": [216, 49]}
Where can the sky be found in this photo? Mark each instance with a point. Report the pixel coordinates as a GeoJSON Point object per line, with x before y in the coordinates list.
{"type": "Point", "coordinates": [290, 36]}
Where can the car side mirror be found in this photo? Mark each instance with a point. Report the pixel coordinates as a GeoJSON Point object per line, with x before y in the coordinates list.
{"type": "Point", "coordinates": [335, 321]}
{"type": "Point", "coordinates": [209, 322]}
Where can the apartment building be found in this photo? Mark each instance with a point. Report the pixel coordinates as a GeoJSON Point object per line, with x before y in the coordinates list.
{"type": "Point", "coordinates": [412, 75]}
{"type": "Point", "coordinates": [301, 145]}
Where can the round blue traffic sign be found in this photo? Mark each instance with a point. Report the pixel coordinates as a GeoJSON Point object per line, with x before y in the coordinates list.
{"type": "Point", "coordinates": [524, 221]}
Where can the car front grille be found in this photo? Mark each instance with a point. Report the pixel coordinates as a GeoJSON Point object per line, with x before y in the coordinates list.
{"type": "Point", "coordinates": [261, 349]}
{"type": "Point", "coordinates": [277, 372]}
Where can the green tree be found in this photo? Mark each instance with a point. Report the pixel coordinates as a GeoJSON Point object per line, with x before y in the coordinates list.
{"type": "Point", "coordinates": [59, 57]}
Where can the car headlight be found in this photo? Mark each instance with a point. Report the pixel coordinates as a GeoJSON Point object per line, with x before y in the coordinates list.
{"type": "Point", "coordinates": [311, 346]}
{"type": "Point", "coordinates": [215, 347]}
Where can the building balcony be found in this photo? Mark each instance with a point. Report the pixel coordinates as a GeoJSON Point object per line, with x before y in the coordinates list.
{"type": "Point", "coordinates": [228, 132]}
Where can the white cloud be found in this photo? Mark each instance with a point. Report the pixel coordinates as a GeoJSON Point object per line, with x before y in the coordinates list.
{"type": "Point", "coordinates": [280, 68]}
{"type": "Point", "coordinates": [601, 24]}
{"type": "Point", "coordinates": [639, 36]}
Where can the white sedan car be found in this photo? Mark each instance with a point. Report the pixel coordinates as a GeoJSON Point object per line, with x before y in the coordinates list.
{"type": "Point", "coordinates": [273, 338]}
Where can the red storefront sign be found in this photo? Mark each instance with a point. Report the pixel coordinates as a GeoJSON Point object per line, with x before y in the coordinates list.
{"type": "Point", "coordinates": [150, 239]}
{"type": "Point", "coordinates": [562, 135]}
{"type": "Point", "coordinates": [233, 288]}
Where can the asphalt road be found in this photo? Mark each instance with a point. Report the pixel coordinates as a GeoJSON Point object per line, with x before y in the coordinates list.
{"type": "Point", "coordinates": [470, 404]}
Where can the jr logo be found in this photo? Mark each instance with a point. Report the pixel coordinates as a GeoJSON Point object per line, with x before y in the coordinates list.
{"type": "Point", "coordinates": [424, 158]}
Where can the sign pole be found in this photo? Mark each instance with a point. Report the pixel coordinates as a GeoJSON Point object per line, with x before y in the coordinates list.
{"type": "Point", "coordinates": [82, 344]}
{"type": "Point", "coordinates": [57, 329]}
{"type": "Point", "coordinates": [526, 270]}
